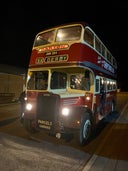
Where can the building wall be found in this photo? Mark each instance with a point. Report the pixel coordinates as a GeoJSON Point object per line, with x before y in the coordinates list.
{"type": "Point", "coordinates": [12, 84]}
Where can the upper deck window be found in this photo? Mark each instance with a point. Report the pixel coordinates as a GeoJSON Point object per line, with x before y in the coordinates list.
{"type": "Point", "coordinates": [63, 34]}
{"type": "Point", "coordinates": [44, 38]}
{"type": "Point", "coordinates": [68, 33]}
{"type": "Point", "coordinates": [89, 37]}
{"type": "Point", "coordinates": [98, 45]}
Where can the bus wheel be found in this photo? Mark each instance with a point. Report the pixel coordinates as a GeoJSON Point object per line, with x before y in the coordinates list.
{"type": "Point", "coordinates": [85, 129]}
{"type": "Point", "coordinates": [28, 126]}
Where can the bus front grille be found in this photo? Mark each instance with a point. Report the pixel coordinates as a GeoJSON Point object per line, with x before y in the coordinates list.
{"type": "Point", "coordinates": [47, 106]}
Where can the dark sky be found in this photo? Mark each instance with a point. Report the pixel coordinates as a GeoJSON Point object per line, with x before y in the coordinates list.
{"type": "Point", "coordinates": [20, 23]}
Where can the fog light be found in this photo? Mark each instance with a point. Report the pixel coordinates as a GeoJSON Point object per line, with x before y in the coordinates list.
{"type": "Point", "coordinates": [58, 135]}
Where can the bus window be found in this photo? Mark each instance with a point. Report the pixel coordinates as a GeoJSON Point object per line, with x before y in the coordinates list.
{"type": "Point", "coordinates": [75, 81]}
{"type": "Point", "coordinates": [38, 80]}
{"type": "Point", "coordinates": [68, 34]}
{"type": "Point", "coordinates": [44, 38]}
{"type": "Point", "coordinates": [58, 80]}
{"type": "Point", "coordinates": [85, 83]}
{"type": "Point", "coordinates": [80, 81]}
{"type": "Point", "coordinates": [97, 44]}
{"type": "Point", "coordinates": [103, 51]}
{"type": "Point", "coordinates": [102, 85]}
{"type": "Point", "coordinates": [31, 81]}
{"type": "Point", "coordinates": [97, 85]}
{"type": "Point", "coordinates": [89, 36]}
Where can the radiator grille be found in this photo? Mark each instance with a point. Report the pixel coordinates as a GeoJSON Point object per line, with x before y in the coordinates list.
{"type": "Point", "coordinates": [47, 106]}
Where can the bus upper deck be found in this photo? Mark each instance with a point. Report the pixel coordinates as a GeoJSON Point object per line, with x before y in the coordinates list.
{"type": "Point", "coordinates": [72, 44]}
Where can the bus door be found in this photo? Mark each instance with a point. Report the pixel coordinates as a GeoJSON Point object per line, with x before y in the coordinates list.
{"type": "Point", "coordinates": [102, 96]}
{"type": "Point", "coordinates": [99, 101]}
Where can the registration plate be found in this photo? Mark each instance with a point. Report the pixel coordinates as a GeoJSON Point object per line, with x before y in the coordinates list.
{"type": "Point", "coordinates": [45, 124]}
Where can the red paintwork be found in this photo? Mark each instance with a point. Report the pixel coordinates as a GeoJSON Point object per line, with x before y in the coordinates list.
{"type": "Point", "coordinates": [76, 52]}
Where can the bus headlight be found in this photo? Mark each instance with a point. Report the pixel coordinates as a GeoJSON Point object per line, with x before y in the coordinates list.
{"type": "Point", "coordinates": [29, 106]}
{"type": "Point", "coordinates": [25, 98]}
{"type": "Point", "coordinates": [65, 111]}
{"type": "Point", "coordinates": [87, 98]}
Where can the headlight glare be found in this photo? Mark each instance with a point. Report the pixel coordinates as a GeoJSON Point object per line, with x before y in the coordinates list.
{"type": "Point", "coordinates": [65, 111]}
{"type": "Point", "coordinates": [29, 106]}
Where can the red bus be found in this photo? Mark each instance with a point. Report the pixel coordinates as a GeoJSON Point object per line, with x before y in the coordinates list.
{"type": "Point", "coordinates": [71, 82]}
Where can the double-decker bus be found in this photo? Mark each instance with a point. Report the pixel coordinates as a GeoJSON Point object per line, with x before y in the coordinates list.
{"type": "Point", "coordinates": [71, 82]}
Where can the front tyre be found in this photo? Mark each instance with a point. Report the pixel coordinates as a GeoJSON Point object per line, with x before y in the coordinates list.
{"type": "Point", "coordinates": [85, 129]}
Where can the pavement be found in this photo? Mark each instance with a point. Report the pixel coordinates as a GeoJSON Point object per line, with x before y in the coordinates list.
{"type": "Point", "coordinates": [78, 161]}
{"type": "Point", "coordinates": [18, 154]}
{"type": "Point", "coordinates": [4, 117]}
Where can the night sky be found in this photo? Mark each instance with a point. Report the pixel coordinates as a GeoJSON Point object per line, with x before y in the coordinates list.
{"type": "Point", "coordinates": [20, 22]}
